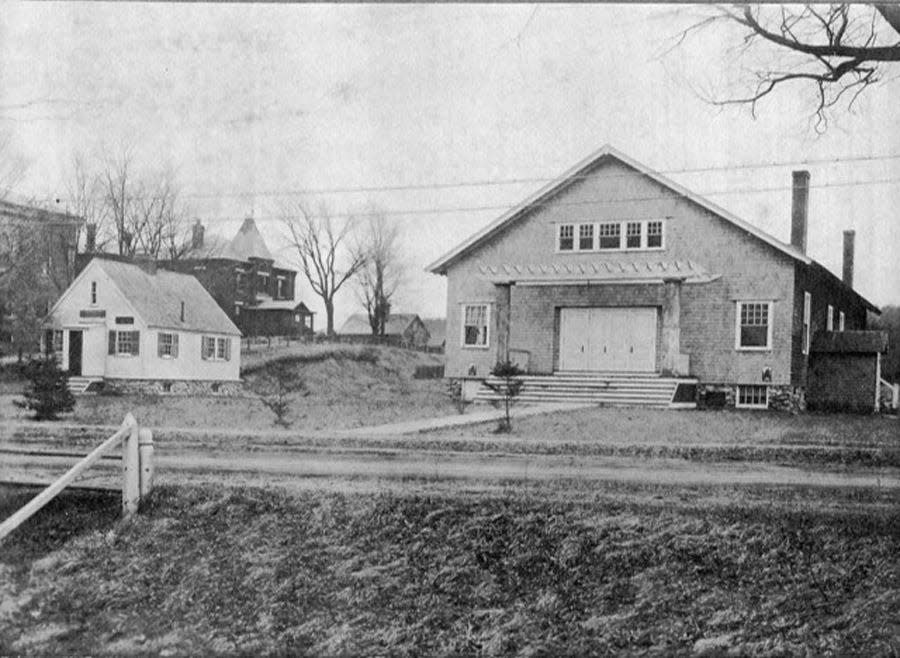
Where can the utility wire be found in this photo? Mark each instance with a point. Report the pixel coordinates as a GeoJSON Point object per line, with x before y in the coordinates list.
{"type": "Point", "coordinates": [287, 192]}
{"type": "Point", "coordinates": [555, 202]}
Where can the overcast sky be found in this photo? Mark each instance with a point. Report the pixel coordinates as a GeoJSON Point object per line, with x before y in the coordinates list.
{"type": "Point", "coordinates": [255, 104]}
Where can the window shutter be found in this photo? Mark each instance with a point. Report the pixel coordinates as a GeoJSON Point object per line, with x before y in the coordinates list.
{"type": "Point", "coordinates": [159, 344]}
{"type": "Point", "coordinates": [136, 342]}
{"type": "Point", "coordinates": [112, 343]}
{"type": "Point", "coordinates": [228, 349]}
{"type": "Point", "coordinates": [174, 346]}
{"type": "Point", "coordinates": [48, 342]}
{"type": "Point", "coordinates": [203, 347]}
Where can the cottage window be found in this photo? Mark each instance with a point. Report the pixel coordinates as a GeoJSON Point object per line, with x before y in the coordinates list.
{"type": "Point", "coordinates": [263, 280]}
{"type": "Point", "coordinates": [124, 343]}
{"type": "Point", "coordinates": [586, 237]}
{"type": "Point", "coordinates": [475, 325]}
{"type": "Point", "coordinates": [215, 349]}
{"type": "Point", "coordinates": [566, 237]}
{"type": "Point", "coordinates": [841, 321]}
{"type": "Point", "coordinates": [167, 346]}
{"type": "Point", "coordinates": [633, 235]}
{"type": "Point", "coordinates": [279, 288]}
{"type": "Point", "coordinates": [829, 319]}
{"type": "Point", "coordinates": [610, 236]}
{"type": "Point", "coordinates": [239, 280]}
{"type": "Point", "coordinates": [754, 331]}
{"type": "Point", "coordinates": [752, 397]}
{"type": "Point", "coordinates": [93, 293]}
{"type": "Point", "coordinates": [807, 317]}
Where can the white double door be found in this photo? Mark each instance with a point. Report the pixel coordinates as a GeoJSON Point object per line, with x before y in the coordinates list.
{"type": "Point", "coordinates": [608, 338]}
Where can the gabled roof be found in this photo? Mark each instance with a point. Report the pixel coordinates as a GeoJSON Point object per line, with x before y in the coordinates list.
{"type": "Point", "coordinates": [573, 175]}
{"type": "Point", "coordinates": [266, 303]}
{"type": "Point", "coordinates": [850, 342]}
{"type": "Point", "coordinates": [397, 323]}
{"type": "Point", "coordinates": [437, 330]}
{"type": "Point", "coordinates": [156, 298]}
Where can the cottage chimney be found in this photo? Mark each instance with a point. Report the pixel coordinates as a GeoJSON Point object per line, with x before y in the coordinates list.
{"type": "Point", "coordinates": [849, 239]}
{"type": "Point", "coordinates": [800, 210]}
{"type": "Point", "coordinates": [91, 238]}
{"type": "Point", "coordinates": [197, 238]}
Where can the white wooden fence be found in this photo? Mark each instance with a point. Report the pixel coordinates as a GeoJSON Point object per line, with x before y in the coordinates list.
{"type": "Point", "coordinates": [137, 473]}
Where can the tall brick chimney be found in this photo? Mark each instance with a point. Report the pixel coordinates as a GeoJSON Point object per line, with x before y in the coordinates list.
{"type": "Point", "coordinates": [849, 239]}
{"type": "Point", "coordinates": [91, 238]}
{"type": "Point", "coordinates": [197, 237]}
{"type": "Point", "coordinates": [800, 210]}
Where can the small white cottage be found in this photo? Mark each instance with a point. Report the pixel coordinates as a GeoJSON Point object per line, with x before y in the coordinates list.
{"type": "Point", "coordinates": [138, 328]}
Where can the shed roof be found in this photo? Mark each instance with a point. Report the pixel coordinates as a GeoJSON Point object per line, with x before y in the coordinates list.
{"type": "Point", "coordinates": [850, 342]}
{"type": "Point", "coordinates": [19, 212]}
{"type": "Point", "coordinates": [397, 323]}
{"type": "Point", "coordinates": [157, 298]}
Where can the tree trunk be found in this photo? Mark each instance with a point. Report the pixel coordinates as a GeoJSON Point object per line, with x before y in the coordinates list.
{"type": "Point", "coordinates": [329, 316]}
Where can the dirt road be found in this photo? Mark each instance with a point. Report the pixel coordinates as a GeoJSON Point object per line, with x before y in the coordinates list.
{"type": "Point", "coordinates": [399, 465]}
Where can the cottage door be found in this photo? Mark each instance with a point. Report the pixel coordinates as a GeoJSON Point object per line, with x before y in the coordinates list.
{"type": "Point", "coordinates": [75, 341]}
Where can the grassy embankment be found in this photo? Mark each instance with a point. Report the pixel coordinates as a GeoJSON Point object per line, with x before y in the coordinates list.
{"type": "Point", "coordinates": [215, 570]}
{"type": "Point", "coordinates": [343, 386]}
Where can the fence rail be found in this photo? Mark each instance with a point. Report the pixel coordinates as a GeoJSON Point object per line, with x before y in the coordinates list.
{"type": "Point", "coordinates": [137, 472]}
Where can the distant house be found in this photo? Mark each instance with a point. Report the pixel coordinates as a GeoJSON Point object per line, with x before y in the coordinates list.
{"type": "Point", "coordinates": [37, 263]}
{"type": "Point", "coordinates": [136, 327]}
{"type": "Point", "coordinates": [242, 276]}
{"type": "Point", "coordinates": [437, 333]}
{"type": "Point", "coordinates": [613, 274]}
{"type": "Point", "coordinates": [402, 329]}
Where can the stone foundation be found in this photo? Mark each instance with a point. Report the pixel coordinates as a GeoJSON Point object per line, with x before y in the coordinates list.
{"type": "Point", "coordinates": [173, 387]}
{"type": "Point", "coordinates": [791, 399]}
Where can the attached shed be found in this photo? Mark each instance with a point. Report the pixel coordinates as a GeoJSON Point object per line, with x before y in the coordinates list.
{"type": "Point", "coordinates": [845, 370]}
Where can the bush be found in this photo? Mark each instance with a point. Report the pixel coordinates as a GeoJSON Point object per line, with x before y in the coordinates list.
{"type": "Point", "coordinates": [509, 387]}
{"type": "Point", "coordinates": [48, 392]}
{"type": "Point", "coordinates": [275, 390]}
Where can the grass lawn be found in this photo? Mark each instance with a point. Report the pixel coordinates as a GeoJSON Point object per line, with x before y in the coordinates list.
{"type": "Point", "coordinates": [343, 387]}
{"type": "Point", "coordinates": [214, 570]}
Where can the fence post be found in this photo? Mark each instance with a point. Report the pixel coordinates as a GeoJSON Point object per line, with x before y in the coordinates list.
{"type": "Point", "coordinates": [145, 455]}
{"type": "Point", "coordinates": [131, 470]}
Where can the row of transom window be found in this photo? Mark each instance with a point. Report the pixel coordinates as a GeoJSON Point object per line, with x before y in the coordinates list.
{"type": "Point", "coordinates": [611, 236]}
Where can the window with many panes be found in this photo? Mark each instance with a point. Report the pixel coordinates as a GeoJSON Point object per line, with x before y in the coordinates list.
{"type": "Point", "coordinates": [167, 345]}
{"type": "Point", "coordinates": [654, 235]}
{"type": "Point", "coordinates": [124, 343]}
{"type": "Point", "coordinates": [586, 237]}
{"type": "Point", "coordinates": [93, 293]}
{"type": "Point", "coordinates": [610, 236]}
{"type": "Point", "coordinates": [753, 396]}
{"type": "Point", "coordinates": [566, 237]}
{"type": "Point", "coordinates": [475, 325]}
{"type": "Point", "coordinates": [633, 235]}
{"type": "Point", "coordinates": [215, 349]}
{"type": "Point", "coordinates": [754, 326]}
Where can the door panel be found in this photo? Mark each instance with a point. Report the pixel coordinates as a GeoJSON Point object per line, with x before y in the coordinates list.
{"type": "Point", "coordinates": [75, 353]}
{"type": "Point", "coordinates": [574, 334]}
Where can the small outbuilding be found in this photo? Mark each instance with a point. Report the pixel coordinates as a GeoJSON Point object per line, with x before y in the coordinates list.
{"type": "Point", "coordinates": [845, 370]}
{"type": "Point", "coordinates": [134, 327]}
{"type": "Point", "coordinates": [401, 329]}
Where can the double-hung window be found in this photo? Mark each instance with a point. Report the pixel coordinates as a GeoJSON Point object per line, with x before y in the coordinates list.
{"type": "Point", "coordinates": [215, 349]}
{"type": "Point", "coordinates": [654, 235]}
{"type": "Point", "coordinates": [124, 343]}
{"type": "Point", "coordinates": [633, 235]}
{"type": "Point", "coordinates": [566, 237]}
{"type": "Point", "coordinates": [829, 319]}
{"type": "Point", "coordinates": [610, 235]}
{"type": "Point", "coordinates": [167, 345]}
{"type": "Point", "coordinates": [586, 237]}
{"type": "Point", "coordinates": [93, 293]}
{"type": "Point", "coordinates": [841, 320]}
{"type": "Point", "coordinates": [475, 325]}
{"type": "Point", "coordinates": [754, 326]}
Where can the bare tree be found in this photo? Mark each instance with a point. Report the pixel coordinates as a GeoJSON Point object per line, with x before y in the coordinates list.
{"type": "Point", "coordinates": [382, 270]}
{"type": "Point", "coordinates": [839, 50]}
{"type": "Point", "coordinates": [324, 252]}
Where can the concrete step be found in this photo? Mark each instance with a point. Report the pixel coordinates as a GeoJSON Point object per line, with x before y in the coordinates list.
{"type": "Point", "coordinates": [80, 385]}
